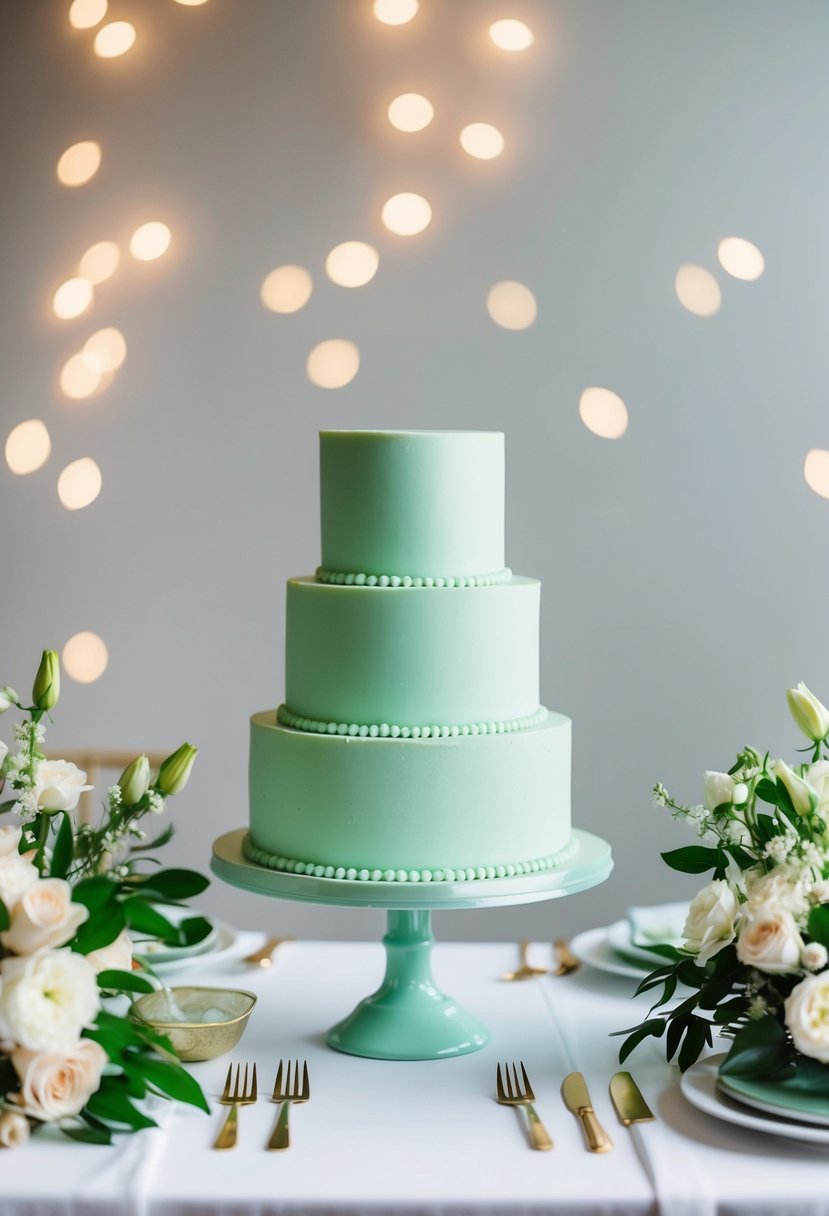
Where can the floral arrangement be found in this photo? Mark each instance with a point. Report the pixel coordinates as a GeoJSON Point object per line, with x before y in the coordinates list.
{"type": "Point", "coordinates": [756, 939]}
{"type": "Point", "coordinates": [72, 898]}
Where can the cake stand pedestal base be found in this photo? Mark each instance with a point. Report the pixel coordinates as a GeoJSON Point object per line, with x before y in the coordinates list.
{"type": "Point", "coordinates": [408, 1017]}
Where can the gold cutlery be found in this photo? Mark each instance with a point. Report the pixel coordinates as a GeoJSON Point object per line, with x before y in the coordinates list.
{"type": "Point", "coordinates": [511, 1094]}
{"type": "Point", "coordinates": [627, 1100]}
{"type": "Point", "coordinates": [577, 1099]}
{"type": "Point", "coordinates": [292, 1090]}
{"type": "Point", "coordinates": [264, 957]}
{"type": "Point", "coordinates": [237, 1092]}
{"type": "Point", "coordinates": [524, 971]}
{"type": "Point", "coordinates": [565, 958]}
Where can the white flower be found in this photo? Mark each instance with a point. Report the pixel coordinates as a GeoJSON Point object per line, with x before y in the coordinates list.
{"type": "Point", "coordinates": [156, 802]}
{"type": "Point", "coordinates": [660, 795]}
{"type": "Point", "coordinates": [4, 751]}
{"type": "Point", "coordinates": [17, 874]}
{"type": "Point", "coordinates": [8, 698]}
{"type": "Point", "coordinates": [817, 776]}
{"type": "Point", "coordinates": [116, 956]}
{"type": "Point", "coordinates": [820, 891]}
{"type": "Point", "coordinates": [807, 1016]}
{"type": "Point", "coordinates": [58, 785]}
{"type": "Point", "coordinates": [718, 788]}
{"type": "Point", "coordinates": [769, 939]}
{"type": "Point", "coordinates": [26, 805]}
{"type": "Point", "coordinates": [710, 922]}
{"type": "Point", "coordinates": [800, 792]}
{"type": "Point", "coordinates": [810, 715]}
{"type": "Point", "coordinates": [782, 888]}
{"type": "Point", "coordinates": [779, 847]}
{"type": "Point", "coordinates": [14, 1129]}
{"type": "Point", "coordinates": [735, 832]}
{"type": "Point", "coordinates": [43, 916]}
{"type": "Point", "coordinates": [814, 956]}
{"type": "Point", "coordinates": [757, 1007]}
{"type": "Point", "coordinates": [9, 839]}
{"type": "Point", "coordinates": [56, 1084]}
{"type": "Point", "coordinates": [47, 999]}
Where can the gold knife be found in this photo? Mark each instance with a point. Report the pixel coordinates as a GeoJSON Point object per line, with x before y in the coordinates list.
{"type": "Point", "coordinates": [627, 1100]}
{"type": "Point", "coordinates": [577, 1099]}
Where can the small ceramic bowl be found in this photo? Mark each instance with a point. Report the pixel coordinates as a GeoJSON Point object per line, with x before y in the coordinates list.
{"type": "Point", "coordinates": [194, 1038]}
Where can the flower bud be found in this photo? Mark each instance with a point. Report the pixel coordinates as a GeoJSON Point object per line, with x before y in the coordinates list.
{"type": "Point", "coordinates": [8, 697]}
{"type": "Point", "coordinates": [810, 715]}
{"type": "Point", "coordinates": [134, 781]}
{"type": "Point", "coordinates": [718, 788]}
{"type": "Point", "coordinates": [801, 793]}
{"type": "Point", "coordinates": [174, 772]}
{"type": "Point", "coordinates": [14, 1128]}
{"type": "Point", "coordinates": [46, 688]}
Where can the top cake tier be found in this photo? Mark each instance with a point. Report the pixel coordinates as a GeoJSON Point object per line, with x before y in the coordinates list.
{"type": "Point", "coordinates": [424, 504]}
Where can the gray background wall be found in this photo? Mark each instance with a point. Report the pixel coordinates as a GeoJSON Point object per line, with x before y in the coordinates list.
{"type": "Point", "coordinates": [684, 570]}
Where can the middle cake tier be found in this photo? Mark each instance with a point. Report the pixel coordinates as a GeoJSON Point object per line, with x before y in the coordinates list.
{"type": "Point", "coordinates": [412, 656]}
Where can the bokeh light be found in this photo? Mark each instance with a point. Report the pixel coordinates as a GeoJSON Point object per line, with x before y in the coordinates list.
{"type": "Point", "coordinates": [28, 446]}
{"type": "Point", "coordinates": [411, 112]}
{"type": "Point", "coordinates": [511, 35]}
{"type": "Point", "coordinates": [72, 298]}
{"type": "Point", "coordinates": [603, 412]}
{"type": "Point", "coordinates": [286, 289]}
{"type": "Point", "coordinates": [511, 305]}
{"type": "Point", "coordinates": [352, 264]}
{"type": "Point", "coordinates": [85, 657]}
{"type": "Point", "coordinates": [83, 14]}
{"type": "Point", "coordinates": [698, 290]}
{"type": "Point", "coordinates": [114, 39]}
{"type": "Point", "coordinates": [816, 471]}
{"type": "Point", "coordinates": [333, 363]}
{"type": "Point", "coordinates": [80, 377]}
{"type": "Point", "coordinates": [79, 163]}
{"type": "Point", "coordinates": [395, 12]}
{"type": "Point", "coordinates": [741, 258]}
{"type": "Point", "coordinates": [406, 214]}
{"type": "Point", "coordinates": [79, 484]}
{"type": "Point", "coordinates": [106, 350]}
{"type": "Point", "coordinates": [150, 241]}
{"type": "Point", "coordinates": [100, 262]}
{"type": "Point", "coordinates": [191, 3]}
{"type": "Point", "coordinates": [482, 140]}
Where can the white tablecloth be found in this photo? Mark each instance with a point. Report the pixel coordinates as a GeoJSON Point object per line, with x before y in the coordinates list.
{"type": "Point", "coordinates": [424, 1137]}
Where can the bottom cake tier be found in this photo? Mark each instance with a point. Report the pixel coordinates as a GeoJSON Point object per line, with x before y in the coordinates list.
{"type": "Point", "coordinates": [429, 809]}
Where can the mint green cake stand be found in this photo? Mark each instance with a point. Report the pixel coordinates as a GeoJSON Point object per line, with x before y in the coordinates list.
{"type": "Point", "coordinates": [408, 1017]}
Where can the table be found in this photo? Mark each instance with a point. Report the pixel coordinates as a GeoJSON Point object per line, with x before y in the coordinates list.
{"type": "Point", "coordinates": [420, 1137]}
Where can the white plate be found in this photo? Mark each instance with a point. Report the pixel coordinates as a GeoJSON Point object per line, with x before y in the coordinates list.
{"type": "Point", "coordinates": [593, 948]}
{"type": "Point", "coordinates": [772, 1099]}
{"type": "Point", "coordinates": [619, 938]}
{"type": "Point", "coordinates": [224, 939]}
{"type": "Point", "coordinates": [699, 1086]}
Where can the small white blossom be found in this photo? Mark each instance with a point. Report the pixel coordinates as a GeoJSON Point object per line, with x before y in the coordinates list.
{"type": "Point", "coordinates": [660, 795]}
{"type": "Point", "coordinates": [814, 956]}
{"type": "Point", "coordinates": [114, 795]}
{"type": "Point", "coordinates": [812, 855]}
{"type": "Point", "coordinates": [26, 805]}
{"type": "Point", "coordinates": [779, 847]}
{"type": "Point", "coordinates": [40, 732]}
{"type": "Point", "coordinates": [820, 891]}
{"type": "Point", "coordinates": [156, 802]}
{"type": "Point", "coordinates": [758, 1007]}
{"type": "Point", "coordinates": [21, 733]}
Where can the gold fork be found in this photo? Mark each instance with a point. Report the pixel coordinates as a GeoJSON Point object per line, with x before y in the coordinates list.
{"type": "Point", "coordinates": [264, 957]}
{"type": "Point", "coordinates": [511, 1094]}
{"type": "Point", "coordinates": [292, 1090]}
{"type": "Point", "coordinates": [237, 1092]}
{"type": "Point", "coordinates": [524, 971]}
{"type": "Point", "coordinates": [565, 958]}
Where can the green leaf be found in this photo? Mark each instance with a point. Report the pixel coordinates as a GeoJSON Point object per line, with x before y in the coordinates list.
{"type": "Point", "coordinates": [818, 924]}
{"type": "Point", "coordinates": [809, 1076]}
{"type": "Point", "coordinates": [124, 981]}
{"type": "Point", "coordinates": [758, 1049]}
{"type": "Point", "coordinates": [767, 791]}
{"type": "Point", "coordinates": [163, 838]}
{"type": "Point", "coordinates": [173, 884]}
{"type": "Point", "coordinates": [99, 1134]}
{"type": "Point", "coordinates": [693, 859]}
{"type": "Point", "coordinates": [696, 1037]}
{"type": "Point", "coordinates": [172, 1080]}
{"type": "Point", "coordinates": [145, 919]}
{"type": "Point", "coordinates": [100, 930]}
{"type": "Point", "coordinates": [63, 848]}
{"type": "Point", "coordinates": [5, 919]}
{"type": "Point", "coordinates": [194, 929]}
{"type": "Point", "coordinates": [95, 893]}
{"type": "Point", "coordinates": [114, 1105]}
{"type": "Point", "coordinates": [653, 1028]}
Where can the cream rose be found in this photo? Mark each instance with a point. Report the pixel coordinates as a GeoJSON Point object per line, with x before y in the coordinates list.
{"type": "Point", "coordinates": [781, 887]}
{"type": "Point", "coordinates": [9, 839]}
{"type": "Point", "coordinates": [709, 926]}
{"type": "Point", "coordinates": [14, 1129]}
{"type": "Point", "coordinates": [769, 939]}
{"type": "Point", "coordinates": [43, 916]}
{"type": "Point", "coordinates": [807, 1016]}
{"type": "Point", "coordinates": [58, 785]}
{"type": "Point", "coordinates": [47, 999]}
{"type": "Point", "coordinates": [55, 1084]}
{"type": "Point", "coordinates": [17, 874]}
{"type": "Point", "coordinates": [116, 956]}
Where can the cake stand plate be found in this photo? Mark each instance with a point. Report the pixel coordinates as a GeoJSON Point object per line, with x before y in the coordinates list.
{"type": "Point", "coordinates": [409, 1018]}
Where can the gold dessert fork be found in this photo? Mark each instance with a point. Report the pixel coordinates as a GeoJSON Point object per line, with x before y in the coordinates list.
{"type": "Point", "coordinates": [237, 1092]}
{"type": "Point", "coordinates": [565, 958]}
{"type": "Point", "coordinates": [510, 1093]}
{"type": "Point", "coordinates": [524, 971]}
{"type": "Point", "coordinates": [292, 1090]}
{"type": "Point", "coordinates": [264, 957]}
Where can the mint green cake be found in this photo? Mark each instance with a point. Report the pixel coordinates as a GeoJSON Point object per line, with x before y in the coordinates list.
{"type": "Point", "coordinates": [412, 745]}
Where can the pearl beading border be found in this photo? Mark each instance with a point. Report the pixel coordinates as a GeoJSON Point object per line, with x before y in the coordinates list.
{"type": "Point", "coordinates": [384, 730]}
{"type": "Point", "coordinates": [287, 865]}
{"type": "Point", "coordinates": [407, 580]}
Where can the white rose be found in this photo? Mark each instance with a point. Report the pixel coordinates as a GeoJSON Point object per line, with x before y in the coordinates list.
{"type": "Point", "coordinates": [717, 789]}
{"type": "Point", "coordinates": [814, 956]}
{"type": "Point", "coordinates": [55, 1084]}
{"type": "Point", "coordinates": [769, 939]}
{"type": "Point", "coordinates": [780, 887]}
{"type": "Point", "coordinates": [14, 1129]}
{"type": "Point", "coordinates": [9, 839]}
{"type": "Point", "coordinates": [807, 1016]}
{"type": "Point", "coordinates": [117, 956]}
{"type": "Point", "coordinates": [709, 925]}
{"type": "Point", "coordinates": [43, 916]}
{"type": "Point", "coordinates": [817, 776]}
{"type": "Point", "coordinates": [799, 791]}
{"type": "Point", "coordinates": [17, 874]}
{"type": "Point", "coordinates": [58, 785]}
{"type": "Point", "coordinates": [47, 999]}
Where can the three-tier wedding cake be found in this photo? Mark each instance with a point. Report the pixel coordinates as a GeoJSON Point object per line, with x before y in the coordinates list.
{"type": "Point", "coordinates": [411, 746]}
